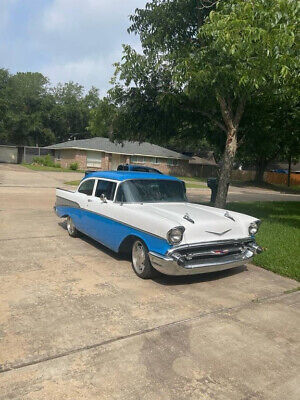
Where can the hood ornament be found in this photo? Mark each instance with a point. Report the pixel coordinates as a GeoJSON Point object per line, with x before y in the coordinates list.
{"type": "Point", "coordinates": [188, 218]}
{"type": "Point", "coordinates": [227, 215]}
{"type": "Point", "coordinates": [219, 234]}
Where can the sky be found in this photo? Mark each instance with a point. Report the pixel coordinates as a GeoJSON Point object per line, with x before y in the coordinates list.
{"type": "Point", "coordinates": [66, 40]}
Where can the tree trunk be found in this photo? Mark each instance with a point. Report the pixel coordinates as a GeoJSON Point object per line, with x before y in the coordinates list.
{"type": "Point", "coordinates": [232, 123]}
{"type": "Point", "coordinates": [226, 168]}
{"type": "Point", "coordinates": [260, 169]}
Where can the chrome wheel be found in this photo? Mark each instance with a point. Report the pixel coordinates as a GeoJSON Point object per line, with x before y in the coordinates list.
{"type": "Point", "coordinates": [138, 257]}
{"type": "Point", "coordinates": [71, 227]}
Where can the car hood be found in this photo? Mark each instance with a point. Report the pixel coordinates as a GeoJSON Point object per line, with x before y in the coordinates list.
{"type": "Point", "coordinates": [202, 223]}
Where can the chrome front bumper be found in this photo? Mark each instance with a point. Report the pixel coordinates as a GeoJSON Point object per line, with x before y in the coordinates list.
{"type": "Point", "coordinates": [174, 264]}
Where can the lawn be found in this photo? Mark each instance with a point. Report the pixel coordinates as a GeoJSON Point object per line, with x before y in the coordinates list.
{"type": "Point", "coordinates": [72, 183]}
{"type": "Point", "coordinates": [43, 168]}
{"type": "Point", "coordinates": [198, 183]}
{"type": "Point", "coordinates": [195, 185]}
{"type": "Point", "coordinates": [272, 186]}
{"type": "Point", "coordinates": [279, 235]}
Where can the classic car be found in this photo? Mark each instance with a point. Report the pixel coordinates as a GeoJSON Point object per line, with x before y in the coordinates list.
{"type": "Point", "coordinates": [149, 216]}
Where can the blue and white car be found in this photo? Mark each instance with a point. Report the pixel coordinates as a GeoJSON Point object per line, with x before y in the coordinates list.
{"type": "Point", "coordinates": [149, 216]}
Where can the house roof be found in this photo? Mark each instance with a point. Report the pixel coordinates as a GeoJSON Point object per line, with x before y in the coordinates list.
{"type": "Point", "coordinates": [125, 175]}
{"type": "Point", "coordinates": [126, 147]}
{"type": "Point", "coordinates": [204, 158]}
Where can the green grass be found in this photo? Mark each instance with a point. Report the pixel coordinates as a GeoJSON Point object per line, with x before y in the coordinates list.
{"type": "Point", "coordinates": [72, 183]}
{"type": "Point", "coordinates": [193, 182]}
{"type": "Point", "coordinates": [188, 179]}
{"type": "Point", "coordinates": [195, 185]}
{"type": "Point", "coordinates": [279, 235]}
{"type": "Point", "coordinates": [42, 168]}
{"type": "Point", "coordinates": [272, 186]}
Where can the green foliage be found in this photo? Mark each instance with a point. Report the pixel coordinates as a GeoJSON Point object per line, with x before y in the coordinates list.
{"type": "Point", "coordinates": [101, 118]}
{"type": "Point", "coordinates": [46, 161]}
{"type": "Point", "coordinates": [74, 166]}
{"type": "Point", "coordinates": [32, 113]}
{"type": "Point", "coordinates": [203, 64]}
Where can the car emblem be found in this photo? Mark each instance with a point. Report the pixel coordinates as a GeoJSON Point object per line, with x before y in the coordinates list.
{"type": "Point", "coordinates": [219, 252]}
{"type": "Point", "coordinates": [188, 218]}
{"type": "Point", "coordinates": [219, 233]}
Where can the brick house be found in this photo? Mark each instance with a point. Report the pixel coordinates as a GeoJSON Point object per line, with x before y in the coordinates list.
{"type": "Point", "coordinates": [100, 153]}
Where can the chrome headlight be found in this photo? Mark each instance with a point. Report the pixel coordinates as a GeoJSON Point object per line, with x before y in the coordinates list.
{"type": "Point", "coordinates": [175, 235]}
{"type": "Point", "coordinates": [253, 228]}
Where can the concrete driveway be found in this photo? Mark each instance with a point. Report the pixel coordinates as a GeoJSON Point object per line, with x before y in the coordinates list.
{"type": "Point", "coordinates": [76, 323]}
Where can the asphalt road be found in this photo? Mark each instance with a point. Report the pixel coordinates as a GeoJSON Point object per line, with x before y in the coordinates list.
{"type": "Point", "coordinates": [76, 323]}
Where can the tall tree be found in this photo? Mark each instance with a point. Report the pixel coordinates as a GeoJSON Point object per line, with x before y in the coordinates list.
{"type": "Point", "coordinates": [219, 54]}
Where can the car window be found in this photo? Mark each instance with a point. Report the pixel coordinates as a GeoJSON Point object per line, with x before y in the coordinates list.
{"type": "Point", "coordinates": [151, 190]}
{"type": "Point", "coordinates": [87, 187]}
{"type": "Point", "coordinates": [107, 188]}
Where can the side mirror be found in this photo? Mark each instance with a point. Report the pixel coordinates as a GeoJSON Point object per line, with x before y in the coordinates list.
{"type": "Point", "coordinates": [103, 198]}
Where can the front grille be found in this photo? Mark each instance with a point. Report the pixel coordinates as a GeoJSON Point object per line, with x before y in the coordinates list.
{"type": "Point", "coordinates": [212, 252]}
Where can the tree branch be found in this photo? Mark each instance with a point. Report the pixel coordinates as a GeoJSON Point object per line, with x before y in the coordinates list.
{"type": "Point", "coordinates": [226, 113]}
{"type": "Point", "coordinates": [215, 121]}
{"type": "Point", "coordinates": [239, 112]}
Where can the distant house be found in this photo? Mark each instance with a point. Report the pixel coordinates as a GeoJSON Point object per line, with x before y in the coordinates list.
{"type": "Point", "coordinates": [284, 166]}
{"type": "Point", "coordinates": [102, 154]}
{"type": "Point", "coordinates": [204, 164]}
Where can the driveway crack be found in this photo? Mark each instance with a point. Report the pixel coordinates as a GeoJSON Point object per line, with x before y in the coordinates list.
{"type": "Point", "coordinates": [7, 368]}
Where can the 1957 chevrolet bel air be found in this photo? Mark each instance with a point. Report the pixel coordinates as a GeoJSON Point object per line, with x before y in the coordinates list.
{"type": "Point", "coordinates": [149, 216]}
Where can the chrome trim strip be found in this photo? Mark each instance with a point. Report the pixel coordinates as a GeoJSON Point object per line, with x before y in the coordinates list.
{"type": "Point", "coordinates": [105, 216]}
{"type": "Point", "coordinates": [210, 243]}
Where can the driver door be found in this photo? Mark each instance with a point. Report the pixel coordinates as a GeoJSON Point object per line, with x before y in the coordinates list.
{"type": "Point", "coordinates": [102, 207]}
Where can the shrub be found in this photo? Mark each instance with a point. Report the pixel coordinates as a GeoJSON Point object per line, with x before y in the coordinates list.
{"type": "Point", "coordinates": [57, 165]}
{"type": "Point", "coordinates": [46, 161]}
{"type": "Point", "coordinates": [74, 166]}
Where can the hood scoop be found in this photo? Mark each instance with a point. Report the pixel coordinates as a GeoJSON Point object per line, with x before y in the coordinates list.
{"type": "Point", "coordinates": [188, 218]}
{"type": "Point", "coordinates": [227, 215]}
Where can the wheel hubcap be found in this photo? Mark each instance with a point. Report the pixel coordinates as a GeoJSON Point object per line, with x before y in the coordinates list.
{"type": "Point", "coordinates": [138, 257]}
{"type": "Point", "coordinates": [70, 226]}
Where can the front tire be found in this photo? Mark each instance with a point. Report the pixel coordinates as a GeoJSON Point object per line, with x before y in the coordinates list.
{"type": "Point", "coordinates": [71, 228]}
{"type": "Point", "coordinates": [141, 264]}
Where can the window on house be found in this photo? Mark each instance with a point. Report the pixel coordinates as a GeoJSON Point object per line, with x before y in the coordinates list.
{"type": "Point", "coordinates": [87, 187]}
{"type": "Point", "coordinates": [172, 162]}
{"type": "Point", "coordinates": [57, 154]}
{"type": "Point", "coordinates": [93, 159]}
{"type": "Point", "coordinates": [137, 159]}
{"type": "Point", "coordinates": [107, 188]}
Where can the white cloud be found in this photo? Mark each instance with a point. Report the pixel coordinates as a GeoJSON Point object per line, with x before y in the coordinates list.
{"type": "Point", "coordinates": [87, 72]}
{"type": "Point", "coordinates": [66, 40]}
{"type": "Point", "coordinates": [5, 9]}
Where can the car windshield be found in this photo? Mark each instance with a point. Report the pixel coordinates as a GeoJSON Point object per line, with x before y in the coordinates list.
{"type": "Point", "coordinates": [151, 190]}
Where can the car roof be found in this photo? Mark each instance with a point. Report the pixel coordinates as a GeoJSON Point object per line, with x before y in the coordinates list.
{"type": "Point", "coordinates": [125, 175]}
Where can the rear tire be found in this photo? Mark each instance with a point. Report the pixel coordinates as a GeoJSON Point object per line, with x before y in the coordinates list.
{"type": "Point", "coordinates": [71, 228]}
{"type": "Point", "coordinates": [141, 264]}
